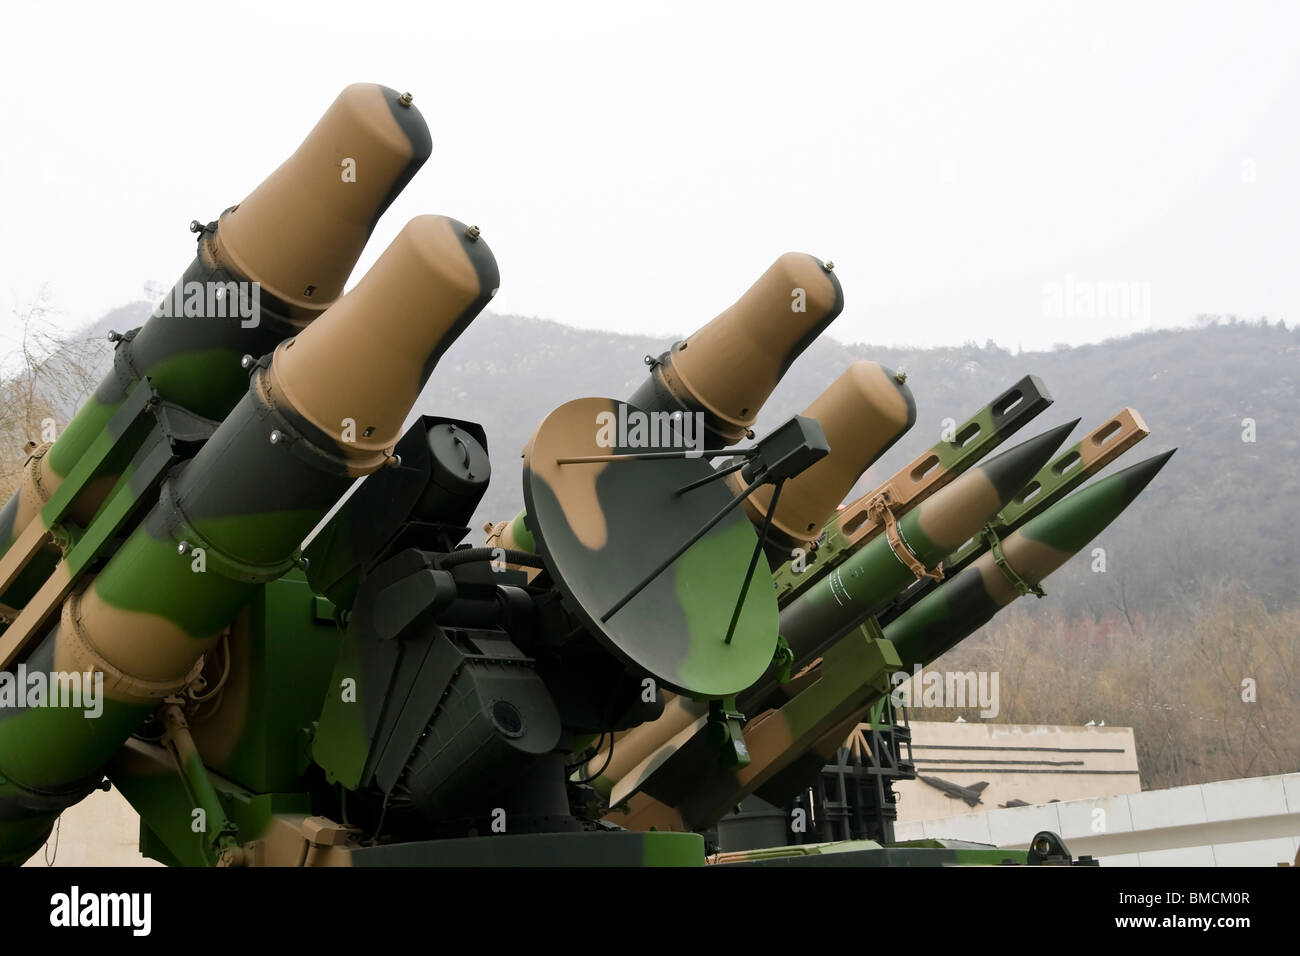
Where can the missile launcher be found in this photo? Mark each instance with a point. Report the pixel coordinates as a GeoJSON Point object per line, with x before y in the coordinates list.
{"type": "Point", "coordinates": [247, 572]}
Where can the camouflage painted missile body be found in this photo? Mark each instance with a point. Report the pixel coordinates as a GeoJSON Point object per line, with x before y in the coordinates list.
{"type": "Point", "coordinates": [1066, 472]}
{"type": "Point", "coordinates": [926, 534]}
{"type": "Point", "coordinates": [1070, 469]}
{"type": "Point", "coordinates": [860, 521]}
{"type": "Point", "coordinates": [297, 237]}
{"type": "Point", "coordinates": [960, 606]}
{"type": "Point", "coordinates": [315, 417]}
{"type": "Point", "coordinates": [726, 370]}
{"type": "Point", "coordinates": [966, 602]}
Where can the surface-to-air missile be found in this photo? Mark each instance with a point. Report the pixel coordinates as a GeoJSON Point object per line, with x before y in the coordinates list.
{"type": "Point", "coordinates": [965, 602]}
{"type": "Point", "coordinates": [388, 694]}
{"type": "Point", "coordinates": [957, 608]}
{"type": "Point", "coordinates": [264, 269]}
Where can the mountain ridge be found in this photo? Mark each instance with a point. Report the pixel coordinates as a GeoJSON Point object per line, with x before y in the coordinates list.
{"type": "Point", "coordinates": [1222, 510]}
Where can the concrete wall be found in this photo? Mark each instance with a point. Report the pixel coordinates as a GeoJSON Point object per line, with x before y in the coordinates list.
{"type": "Point", "coordinates": [102, 830]}
{"type": "Point", "coordinates": [1026, 762]}
{"type": "Point", "coordinates": [1249, 822]}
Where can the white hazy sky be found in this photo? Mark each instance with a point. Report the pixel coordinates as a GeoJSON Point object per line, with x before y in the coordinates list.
{"type": "Point", "coordinates": [973, 170]}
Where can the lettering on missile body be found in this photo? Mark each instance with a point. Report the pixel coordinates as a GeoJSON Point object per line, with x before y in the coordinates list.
{"type": "Point", "coordinates": [214, 300]}
{"type": "Point", "coordinates": [661, 431]}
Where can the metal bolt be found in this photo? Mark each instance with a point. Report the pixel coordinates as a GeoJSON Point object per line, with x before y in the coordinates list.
{"type": "Point", "coordinates": [114, 336]}
{"type": "Point", "coordinates": [183, 548]}
{"type": "Point", "coordinates": [406, 99]}
{"type": "Point", "coordinates": [247, 361]}
{"type": "Point", "coordinates": [900, 377]}
{"type": "Point", "coordinates": [196, 226]}
{"type": "Point", "coordinates": [472, 233]}
{"type": "Point", "coordinates": [829, 266]}
{"type": "Point", "coordinates": [276, 435]}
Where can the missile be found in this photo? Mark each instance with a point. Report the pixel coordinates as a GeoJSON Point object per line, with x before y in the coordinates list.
{"type": "Point", "coordinates": [862, 413]}
{"type": "Point", "coordinates": [856, 523]}
{"type": "Point", "coordinates": [725, 371]}
{"type": "Point", "coordinates": [1070, 469]}
{"type": "Point", "coordinates": [324, 409]}
{"type": "Point", "coordinates": [960, 606]}
{"type": "Point", "coordinates": [264, 270]}
{"type": "Point", "coordinates": [965, 603]}
{"type": "Point", "coordinates": [924, 536]}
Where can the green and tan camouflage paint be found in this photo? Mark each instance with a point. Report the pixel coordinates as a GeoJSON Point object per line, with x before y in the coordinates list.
{"type": "Point", "coordinates": [855, 524]}
{"type": "Point", "coordinates": [862, 413]}
{"type": "Point", "coordinates": [298, 235]}
{"type": "Point", "coordinates": [860, 585]}
{"type": "Point", "coordinates": [963, 604]}
{"type": "Point", "coordinates": [327, 408]}
{"type": "Point", "coordinates": [726, 370]}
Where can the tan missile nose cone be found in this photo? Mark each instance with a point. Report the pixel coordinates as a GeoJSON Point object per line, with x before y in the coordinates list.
{"type": "Point", "coordinates": [356, 372]}
{"type": "Point", "coordinates": [302, 230]}
{"type": "Point", "coordinates": [733, 363]}
{"type": "Point", "coordinates": [862, 413]}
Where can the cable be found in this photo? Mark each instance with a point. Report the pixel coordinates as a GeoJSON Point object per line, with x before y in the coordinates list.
{"type": "Point", "coordinates": [595, 750]}
{"type": "Point", "coordinates": [224, 644]}
{"type": "Point", "coordinates": [608, 758]}
{"type": "Point", "coordinates": [58, 825]}
{"type": "Point", "coordinates": [509, 555]}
